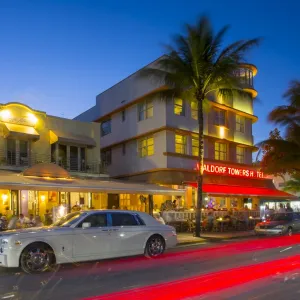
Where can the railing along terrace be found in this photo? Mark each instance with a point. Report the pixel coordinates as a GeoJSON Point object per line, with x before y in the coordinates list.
{"type": "Point", "coordinates": [19, 159]}
{"type": "Point", "coordinates": [172, 216]}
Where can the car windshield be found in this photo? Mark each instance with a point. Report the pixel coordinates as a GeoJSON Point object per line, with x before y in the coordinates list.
{"type": "Point", "coordinates": [69, 219]}
{"type": "Point", "coordinates": [281, 217]}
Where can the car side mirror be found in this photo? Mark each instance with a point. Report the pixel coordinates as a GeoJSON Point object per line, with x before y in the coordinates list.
{"type": "Point", "coordinates": [86, 225]}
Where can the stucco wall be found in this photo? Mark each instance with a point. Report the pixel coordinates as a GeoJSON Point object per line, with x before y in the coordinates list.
{"type": "Point", "coordinates": [44, 123]}
{"type": "Point", "coordinates": [131, 162]}
{"type": "Point", "coordinates": [131, 127]}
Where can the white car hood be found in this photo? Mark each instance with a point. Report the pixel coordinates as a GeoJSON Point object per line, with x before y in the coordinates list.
{"type": "Point", "coordinates": [45, 230]}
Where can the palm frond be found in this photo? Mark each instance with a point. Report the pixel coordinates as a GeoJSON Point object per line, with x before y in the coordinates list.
{"type": "Point", "coordinates": [293, 93]}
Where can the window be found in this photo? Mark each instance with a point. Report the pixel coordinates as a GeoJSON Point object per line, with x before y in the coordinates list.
{"type": "Point", "coordinates": [106, 157]}
{"type": "Point", "coordinates": [179, 107]}
{"type": "Point", "coordinates": [145, 110]}
{"type": "Point", "coordinates": [11, 152]}
{"type": "Point", "coordinates": [17, 152]}
{"type": "Point", "coordinates": [124, 149]}
{"type": "Point", "coordinates": [246, 76]}
{"type": "Point", "coordinates": [121, 219]}
{"type": "Point", "coordinates": [239, 123]}
{"type": "Point", "coordinates": [82, 159]}
{"type": "Point", "coordinates": [220, 117]}
{"type": "Point", "coordinates": [96, 220]}
{"type": "Point", "coordinates": [73, 162]}
{"type": "Point", "coordinates": [180, 143]}
{"type": "Point", "coordinates": [106, 127]}
{"type": "Point", "coordinates": [195, 146]}
{"type": "Point", "coordinates": [146, 146]}
{"type": "Point", "coordinates": [220, 151]}
{"type": "Point", "coordinates": [194, 110]}
{"type": "Point", "coordinates": [23, 153]}
{"type": "Point", "coordinates": [124, 201]}
{"type": "Point", "coordinates": [123, 114]}
{"type": "Point", "coordinates": [141, 221]}
{"type": "Point", "coordinates": [240, 155]}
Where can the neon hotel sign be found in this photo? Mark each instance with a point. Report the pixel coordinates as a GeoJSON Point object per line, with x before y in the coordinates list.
{"type": "Point", "coordinates": [232, 171]}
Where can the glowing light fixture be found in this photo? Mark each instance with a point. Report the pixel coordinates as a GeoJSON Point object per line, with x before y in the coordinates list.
{"type": "Point", "coordinates": [5, 114]}
{"type": "Point", "coordinates": [43, 198]}
{"type": "Point", "coordinates": [222, 132]}
{"type": "Point", "coordinates": [61, 211]}
{"type": "Point", "coordinates": [32, 118]}
{"type": "Point", "coordinates": [4, 197]}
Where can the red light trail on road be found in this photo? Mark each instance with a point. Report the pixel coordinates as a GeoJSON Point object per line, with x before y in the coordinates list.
{"type": "Point", "coordinates": [199, 285]}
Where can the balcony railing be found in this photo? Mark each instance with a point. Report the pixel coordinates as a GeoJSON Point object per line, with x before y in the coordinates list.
{"type": "Point", "coordinates": [245, 77]}
{"type": "Point", "coordinates": [19, 160]}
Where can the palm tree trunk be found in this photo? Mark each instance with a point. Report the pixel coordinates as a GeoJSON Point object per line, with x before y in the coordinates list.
{"type": "Point", "coordinates": [200, 99]}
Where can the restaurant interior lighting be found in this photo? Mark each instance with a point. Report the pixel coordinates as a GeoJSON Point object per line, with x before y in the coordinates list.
{"type": "Point", "coordinates": [4, 197]}
{"type": "Point", "coordinates": [43, 198]}
{"type": "Point", "coordinates": [61, 211]}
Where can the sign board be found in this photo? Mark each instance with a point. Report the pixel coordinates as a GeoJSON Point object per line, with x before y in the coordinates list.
{"type": "Point", "coordinates": [16, 114]}
{"type": "Point", "coordinates": [232, 171]}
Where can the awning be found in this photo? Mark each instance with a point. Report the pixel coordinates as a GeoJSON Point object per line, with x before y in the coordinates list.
{"type": "Point", "coordinates": [13, 181]}
{"type": "Point", "coordinates": [21, 132]}
{"type": "Point", "coordinates": [70, 138]}
{"type": "Point", "coordinates": [216, 189]}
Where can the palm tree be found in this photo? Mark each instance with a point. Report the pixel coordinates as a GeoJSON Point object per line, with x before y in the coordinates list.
{"type": "Point", "coordinates": [196, 67]}
{"type": "Point", "coordinates": [284, 154]}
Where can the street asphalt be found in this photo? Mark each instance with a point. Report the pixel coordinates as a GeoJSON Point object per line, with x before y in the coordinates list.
{"type": "Point", "coordinates": [78, 281]}
{"type": "Point", "coordinates": [282, 286]}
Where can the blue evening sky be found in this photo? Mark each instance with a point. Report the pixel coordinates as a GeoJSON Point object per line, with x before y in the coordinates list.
{"type": "Point", "coordinates": [58, 55]}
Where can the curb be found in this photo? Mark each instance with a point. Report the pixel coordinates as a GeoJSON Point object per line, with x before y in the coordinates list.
{"type": "Point", "coordinates": [215, 239]}
{"type": "Point", "coordinates": [192, 243]}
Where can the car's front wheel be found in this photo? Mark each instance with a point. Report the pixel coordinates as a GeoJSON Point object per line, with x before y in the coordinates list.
{"type": "Point", "coordinates": [37, 258]}
{"type": "Point", "coordinates": [155, 246]}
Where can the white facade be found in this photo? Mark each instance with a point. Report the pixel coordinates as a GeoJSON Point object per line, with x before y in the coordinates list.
{"type": "Point", "coordinates": [120, 105]}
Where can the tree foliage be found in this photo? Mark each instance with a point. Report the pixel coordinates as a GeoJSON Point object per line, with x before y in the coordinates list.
{"type": "Point", "coordinates": [283, 154]}
{"type": "Point", "coordinates": [293, 184]}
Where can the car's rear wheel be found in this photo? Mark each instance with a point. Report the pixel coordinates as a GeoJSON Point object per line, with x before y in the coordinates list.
{"type": "Point", "coordinates": [155, 246]}
{"type": "Point", "coordinates": [37, 258]}
{"type": "Point", "coordinates": [290, 231]}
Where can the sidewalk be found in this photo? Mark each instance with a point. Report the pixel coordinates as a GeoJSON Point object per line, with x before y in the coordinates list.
{"type": "Point", "coordinates": [188, 238]}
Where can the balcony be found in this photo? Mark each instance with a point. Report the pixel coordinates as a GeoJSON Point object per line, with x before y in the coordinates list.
{"type": "Point", "coordinates": [246, 74]}
{"type": "Point", "coordinates": [19, 161]}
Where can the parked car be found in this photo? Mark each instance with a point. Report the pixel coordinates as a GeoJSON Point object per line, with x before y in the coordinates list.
{"type": "Point", "coordinates": [85, 236]}
{"type": "Point", "coordinates": [279, 224]}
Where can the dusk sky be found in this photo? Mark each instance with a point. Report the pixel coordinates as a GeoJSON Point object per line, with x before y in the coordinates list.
{"type": "Point", "coordinates": [56, 56]}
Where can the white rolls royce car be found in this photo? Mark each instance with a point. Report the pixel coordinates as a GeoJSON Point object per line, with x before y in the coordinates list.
{"type": "Point", "coordinates": [85, 236]}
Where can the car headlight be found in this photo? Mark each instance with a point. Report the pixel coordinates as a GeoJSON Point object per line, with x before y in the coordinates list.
{"type": "Point", "coordinates": [279, 226]}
